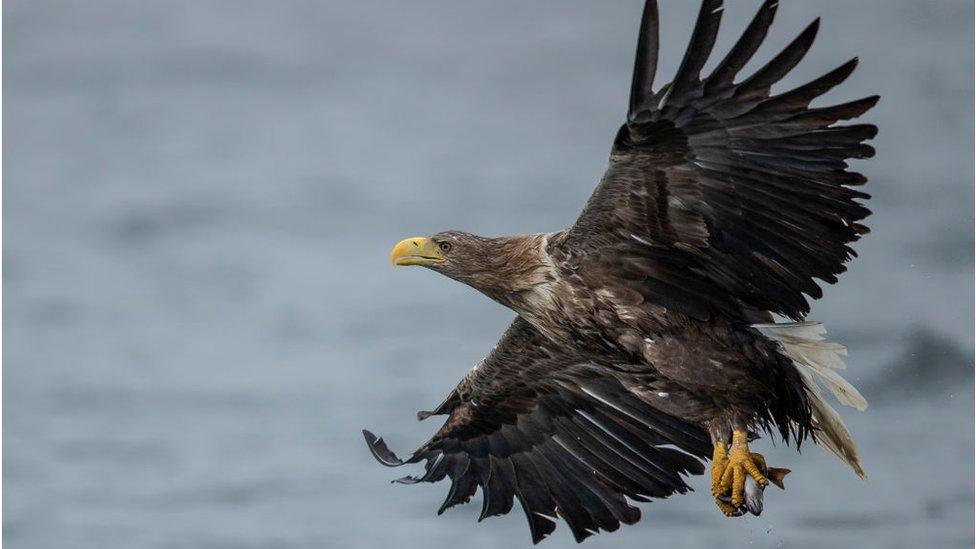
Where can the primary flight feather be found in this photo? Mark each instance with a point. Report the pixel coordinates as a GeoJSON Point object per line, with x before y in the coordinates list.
{"type": "Point", "coordinates": [644, 340]}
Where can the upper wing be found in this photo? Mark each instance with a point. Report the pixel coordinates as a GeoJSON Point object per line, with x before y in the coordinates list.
{"type": "Point", "coordinates": [720, 195]}
{"type": "Point", "coordinates": [535, 423]}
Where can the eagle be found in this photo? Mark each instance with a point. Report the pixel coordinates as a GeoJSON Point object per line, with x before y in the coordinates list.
{"type": "Point", "coordinates": [666, 327]}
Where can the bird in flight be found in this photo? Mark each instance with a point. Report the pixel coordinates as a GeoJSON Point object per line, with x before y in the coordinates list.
{"type": "Point", "coordinates": [644, 342]}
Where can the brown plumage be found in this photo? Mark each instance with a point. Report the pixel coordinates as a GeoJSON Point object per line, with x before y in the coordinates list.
{"type": "Point", "coordinates": [637, 349]}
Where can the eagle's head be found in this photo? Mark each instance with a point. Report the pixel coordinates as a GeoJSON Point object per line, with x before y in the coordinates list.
{"type": "Point", "coordinates": [498, 267]}
{"type": "Point", "coordinates": [456, 254]}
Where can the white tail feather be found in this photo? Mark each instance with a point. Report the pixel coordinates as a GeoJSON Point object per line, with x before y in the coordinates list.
{"type": "Point", "coordinates": [816, 360]}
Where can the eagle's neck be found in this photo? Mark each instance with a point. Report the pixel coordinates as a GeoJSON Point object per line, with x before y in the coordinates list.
{"type": "Point", "coordinates": [524, 278]}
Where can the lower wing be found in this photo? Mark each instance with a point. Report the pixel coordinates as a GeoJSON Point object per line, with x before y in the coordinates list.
{"type": "Point", "coordinates": [535, 423]}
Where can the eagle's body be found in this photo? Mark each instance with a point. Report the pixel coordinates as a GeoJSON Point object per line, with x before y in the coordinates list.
{"type": "Point", "coordinates": [644, 339]}
{"type": "Point", "coordinates": [652, 349]}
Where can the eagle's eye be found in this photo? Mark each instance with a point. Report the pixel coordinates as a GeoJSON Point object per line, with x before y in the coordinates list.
{"type": "Point", "coordinates": [444, 246]}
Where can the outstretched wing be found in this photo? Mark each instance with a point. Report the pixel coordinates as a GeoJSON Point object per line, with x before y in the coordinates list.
{"type": "Point", "coordinates": [534, 423]}
{"type": "Point", "coordinates": [719, 195]}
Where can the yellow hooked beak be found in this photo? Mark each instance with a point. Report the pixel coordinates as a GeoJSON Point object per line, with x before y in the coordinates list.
{"type": "Point", "coordinates": [416, 251]}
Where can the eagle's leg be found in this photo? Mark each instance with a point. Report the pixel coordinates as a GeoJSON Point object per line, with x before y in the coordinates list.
{"type": "Point", "coordinates": [720, 460]}
{"type": "Point", "coordinates": [741, 462]}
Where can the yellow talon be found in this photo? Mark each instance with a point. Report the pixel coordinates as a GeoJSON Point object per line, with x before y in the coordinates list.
{"type": "Point", "coordinates": [720, 461]}
{"type": "Point", "coordinates": [740, 463]}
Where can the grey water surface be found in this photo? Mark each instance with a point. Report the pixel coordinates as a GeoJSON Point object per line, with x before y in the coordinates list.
{"type": "Point", "coordinates": [199, 202]}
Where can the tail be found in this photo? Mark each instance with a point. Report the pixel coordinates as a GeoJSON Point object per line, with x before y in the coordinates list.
{"type": "Point", "coordinates": [816, 360]}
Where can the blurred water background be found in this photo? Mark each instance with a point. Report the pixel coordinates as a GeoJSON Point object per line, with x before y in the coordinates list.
{"type": "Point", "coordinates": [199, 202]}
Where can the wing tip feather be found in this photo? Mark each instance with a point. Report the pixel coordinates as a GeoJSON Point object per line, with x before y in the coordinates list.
{"type": "Point", "coordinates": [379, 449]}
